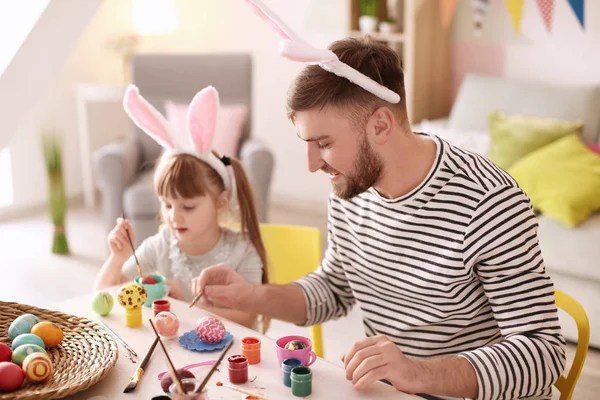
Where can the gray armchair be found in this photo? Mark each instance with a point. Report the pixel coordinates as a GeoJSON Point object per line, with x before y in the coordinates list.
{"type": "Point", "coordinates": [124, 170]}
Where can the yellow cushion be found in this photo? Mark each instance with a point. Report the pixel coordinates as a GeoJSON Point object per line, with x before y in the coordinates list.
{"type": "Point", "coordinates": [515, 136]}
{"type": "Point", "coordinates": [562, 179]}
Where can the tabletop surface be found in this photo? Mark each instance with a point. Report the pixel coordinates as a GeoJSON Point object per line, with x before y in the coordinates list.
{"type": "Point", "coordinates": [329, 380]}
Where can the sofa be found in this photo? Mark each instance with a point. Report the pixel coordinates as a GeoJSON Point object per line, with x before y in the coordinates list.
{"type": "Point", "coordinates": [124, 170]}
{"type": "Point", "coordinates": [571, 255]}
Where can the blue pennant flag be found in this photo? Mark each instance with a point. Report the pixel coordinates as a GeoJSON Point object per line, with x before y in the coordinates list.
{"type": "Point", "coordinates": [578, 9]}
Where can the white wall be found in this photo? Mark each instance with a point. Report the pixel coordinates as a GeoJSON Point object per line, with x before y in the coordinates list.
{"type": "Point", "coordinates": [569, 54]}
{"type": "Point", "coordinates": [205, 26]}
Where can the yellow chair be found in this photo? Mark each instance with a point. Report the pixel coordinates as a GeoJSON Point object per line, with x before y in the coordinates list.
{"type": "Point", "coordinates": [566, 384]}
{"type": "Point", "coordinates": [292, 252]}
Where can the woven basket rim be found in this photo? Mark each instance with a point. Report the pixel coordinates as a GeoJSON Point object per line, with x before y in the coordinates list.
{"type": "Point", "coordinates": [81, 334]}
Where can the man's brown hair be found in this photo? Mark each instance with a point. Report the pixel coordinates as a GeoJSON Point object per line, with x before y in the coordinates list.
{"type": "Point", "coordinates": [316, 88]}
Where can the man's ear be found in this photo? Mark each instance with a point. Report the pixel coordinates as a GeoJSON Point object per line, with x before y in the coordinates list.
{"type": "Point", "coordinates": [380, 125]}
{"type": "Point", "coordinates": [223, 200]}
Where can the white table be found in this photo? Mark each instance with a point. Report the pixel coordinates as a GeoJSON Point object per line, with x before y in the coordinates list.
{"type": "Point", "coordinates": [329, 380]}
{"type": "Point", "coordinates": [86, 93]}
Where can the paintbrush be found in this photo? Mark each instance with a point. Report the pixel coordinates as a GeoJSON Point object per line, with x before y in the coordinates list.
{"type": "Point", "coordinates": [137, 263]}
{"type": "Point", "coordinates": [196, 299]}
{"type": "Point", "coordinates": [214, 367]}
{"type": "Point", "coordinates": [137, 376]}
{"type": "Point", "coordinates": [172, 369]}
{"type": "Point", "coordinates": [256, 395]}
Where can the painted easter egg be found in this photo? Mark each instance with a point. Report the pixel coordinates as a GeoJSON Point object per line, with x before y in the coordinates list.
{"type": "Point", "coordinates": [11, 376]}
{"type": "Point", "coordinates": [102, 303]}
{"type": "Point", "coordinates": [210, 330]}
{"type": "Point", "coordinates": [37, 367]}
{"type": "Point", "coordinates": [132, 296]}
{"type": "Point", "coordinates": [5, 352]}
{"type": "Point", "coordinates": [27, 338]}
{"type": "Point", "coordinates": [167, 323]}
{"type": "Point", "coordinates": [21, 325]}
{"type": "Point", "coordinates": [50, 333]}
{"type": "Point", "coordinates": [24, 350]}
{"type": "Point", "coordinates": [295, 345]}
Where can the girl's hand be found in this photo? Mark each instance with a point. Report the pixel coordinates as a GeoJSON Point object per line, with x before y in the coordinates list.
{"type": "Point", "coordinates": [118, 242]}
{"type": "Point", "coordinates": [174, 289]}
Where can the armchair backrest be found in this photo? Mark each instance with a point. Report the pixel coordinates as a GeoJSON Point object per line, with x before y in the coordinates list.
{"type": "Point", "coordinates": [178, 77]}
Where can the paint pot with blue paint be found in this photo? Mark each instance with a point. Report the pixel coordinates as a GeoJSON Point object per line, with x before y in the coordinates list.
{"type": "Point", "coordinates": [287, 366]}
{"type": "Point", "coordinates": [301, 378]}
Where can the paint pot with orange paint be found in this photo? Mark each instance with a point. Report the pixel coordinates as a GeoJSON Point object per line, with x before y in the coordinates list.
{"type": "Point", "coordinates": [251, 349]}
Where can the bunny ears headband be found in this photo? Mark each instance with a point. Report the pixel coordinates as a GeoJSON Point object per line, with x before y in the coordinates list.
{"type": "Point", "coordinates": [296, 49]}
{"type": "Point", "coordinates": [201, 126]}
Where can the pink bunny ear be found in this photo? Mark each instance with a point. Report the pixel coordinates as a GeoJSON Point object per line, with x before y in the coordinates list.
{"type": "Point", "coordinates": [146, 117]}
{"type": "Point", "coordinates": [202, 118]}
{"type": "Point", "coordinates": [273, 21]}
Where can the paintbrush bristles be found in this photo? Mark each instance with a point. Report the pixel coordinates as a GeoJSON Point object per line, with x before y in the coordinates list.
{"type": "Point", "coordinates": [196, 299]}
{"type": "Point", "coordinates": [172, 369]}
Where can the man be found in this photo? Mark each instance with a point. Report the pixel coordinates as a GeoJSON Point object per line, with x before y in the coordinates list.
{"type": "Point", "coordinates": [437, 246]}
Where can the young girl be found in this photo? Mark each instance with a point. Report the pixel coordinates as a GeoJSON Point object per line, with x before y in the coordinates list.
{"type": "Point", "coordinates": [195, 188]}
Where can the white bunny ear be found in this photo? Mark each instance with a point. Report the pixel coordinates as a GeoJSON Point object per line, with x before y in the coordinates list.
{"type": "Point", "coordinates": [273, 21]}
{"type": "Point", "coordinates": [202, 118]}
{"type": "Point", "coordinates": [147, 118]}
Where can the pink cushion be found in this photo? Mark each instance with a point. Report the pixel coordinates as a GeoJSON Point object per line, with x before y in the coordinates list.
{"type": "Point", "coordinates": [230, 125]}
{"type": "Point", "coordinates": [594, 147]}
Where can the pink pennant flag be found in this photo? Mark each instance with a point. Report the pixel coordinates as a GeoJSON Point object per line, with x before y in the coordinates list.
{"type": "Point", "coordinates": [479, 11]}
{"type": "Point", "coordinates": [547, 10]}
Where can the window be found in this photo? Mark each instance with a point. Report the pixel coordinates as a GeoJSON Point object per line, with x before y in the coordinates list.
{"type": "Point", "coordinates": [6, 183]}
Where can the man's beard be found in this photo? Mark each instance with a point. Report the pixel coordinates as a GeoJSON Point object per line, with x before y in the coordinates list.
{"type": "Point", "coordinates": [367, 167]}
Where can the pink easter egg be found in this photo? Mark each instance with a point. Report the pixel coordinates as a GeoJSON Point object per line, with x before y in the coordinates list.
{"type": "Point", "coordinates": [167, 323]}
{"type": "Point", "coordinates": [210, 330]}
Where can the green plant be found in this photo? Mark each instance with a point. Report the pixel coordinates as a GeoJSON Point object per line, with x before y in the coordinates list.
{"type": "Point", "coordinates": [57, 202]}
{"type": "Point", "coordinates": [368, 7]}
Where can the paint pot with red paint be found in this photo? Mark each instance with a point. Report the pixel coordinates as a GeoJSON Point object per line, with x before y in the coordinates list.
{"type": "Point", "coordinates": [238, 369]}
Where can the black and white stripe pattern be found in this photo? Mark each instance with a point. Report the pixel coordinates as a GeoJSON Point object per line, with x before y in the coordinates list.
{"type": "Point", "coordinates": [452, 268]}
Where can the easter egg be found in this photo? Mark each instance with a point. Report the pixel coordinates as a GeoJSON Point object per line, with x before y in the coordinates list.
{"type": "Point", "coordinates": [167, 381]}
{"type": "Point", "coordinates": [210, 330]}
{"type": "Point", "coordinates": [132, 296]}
{"type": "Point", "coordinates": [24, 350]}
{"type": "Point", "coordinates": [167, 323]}
{"type": "Point", "coordinates": [37, 367]}
{"type": "Point", "coordinates": [149, 280]}
{"type": "Point", "coordinates": [11, 376]}
{"type": "Point", "coordinates": [295, 345]}
{"type": "Point", "coordinates": [5, 352]}
{"type": "Point", "coordinates": [102, 303]}
{"type": "Point", "coordinates": [27, 338]}
{"type": "Point", "coordinates": [50, 333]}
{"type": "Point", "coordinates": [21, 325]}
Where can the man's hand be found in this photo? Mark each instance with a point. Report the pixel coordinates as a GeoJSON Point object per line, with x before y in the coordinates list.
{"type": "Point", "coordinates": [375, 358]}
{"type": "Point", "coordinates": [223, 287]}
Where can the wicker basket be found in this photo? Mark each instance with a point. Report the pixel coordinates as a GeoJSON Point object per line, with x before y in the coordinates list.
{"type": "Point", "coordinates": [85, 356]}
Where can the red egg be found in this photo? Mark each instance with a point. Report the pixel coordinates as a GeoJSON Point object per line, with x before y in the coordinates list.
{"type": "Point", "coordinates": [210, 330]}
{"type": "Point", "coordinates": [11, 376]}
{"type": "Point", "coordinates": [5, 352]}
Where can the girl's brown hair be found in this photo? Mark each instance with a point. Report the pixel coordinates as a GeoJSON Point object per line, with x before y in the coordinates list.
{"type": "Point", "coordinates": [186, 176]}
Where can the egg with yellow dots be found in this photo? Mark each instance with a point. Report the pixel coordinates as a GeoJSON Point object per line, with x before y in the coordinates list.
{"type": "Point", "coordinates": [37, 367]}
{"type": "Point", "coordinates": [132, 296]}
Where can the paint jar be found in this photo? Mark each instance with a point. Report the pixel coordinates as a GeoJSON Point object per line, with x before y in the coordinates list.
{"type": "Point", "coordinates": [160, 305]}
{"type": "Point", "coordinates": [301, 378]}
{"type": "Point", "coordinates": [238, 369]}
{"type": "Point", "coordinates": [251, 349]}
{"type": "Point", "coordinates": [286, 367]}
{"type": "Point", "coordinates": [190, 387]}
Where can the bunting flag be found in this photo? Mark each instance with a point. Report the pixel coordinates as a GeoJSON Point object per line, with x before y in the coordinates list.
{"type": "Point", "coordinates": [479, 10]}
{"type": "Point", "coordinates": [547, 10]}
{"type": "Point", "coordinates": [578, 9]}
{"type": "Point", "coordinates": [515, 9]}
{"type": "Point", "coordinates": [448, 8]}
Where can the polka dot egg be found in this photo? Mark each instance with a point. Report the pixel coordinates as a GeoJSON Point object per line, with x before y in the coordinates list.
{"type": "Point", "coordinates": [37, 367]}
{"type": "Point", "coordinates": [210, 330]}
{"type": "Point", "coordinates": [132, 296]}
